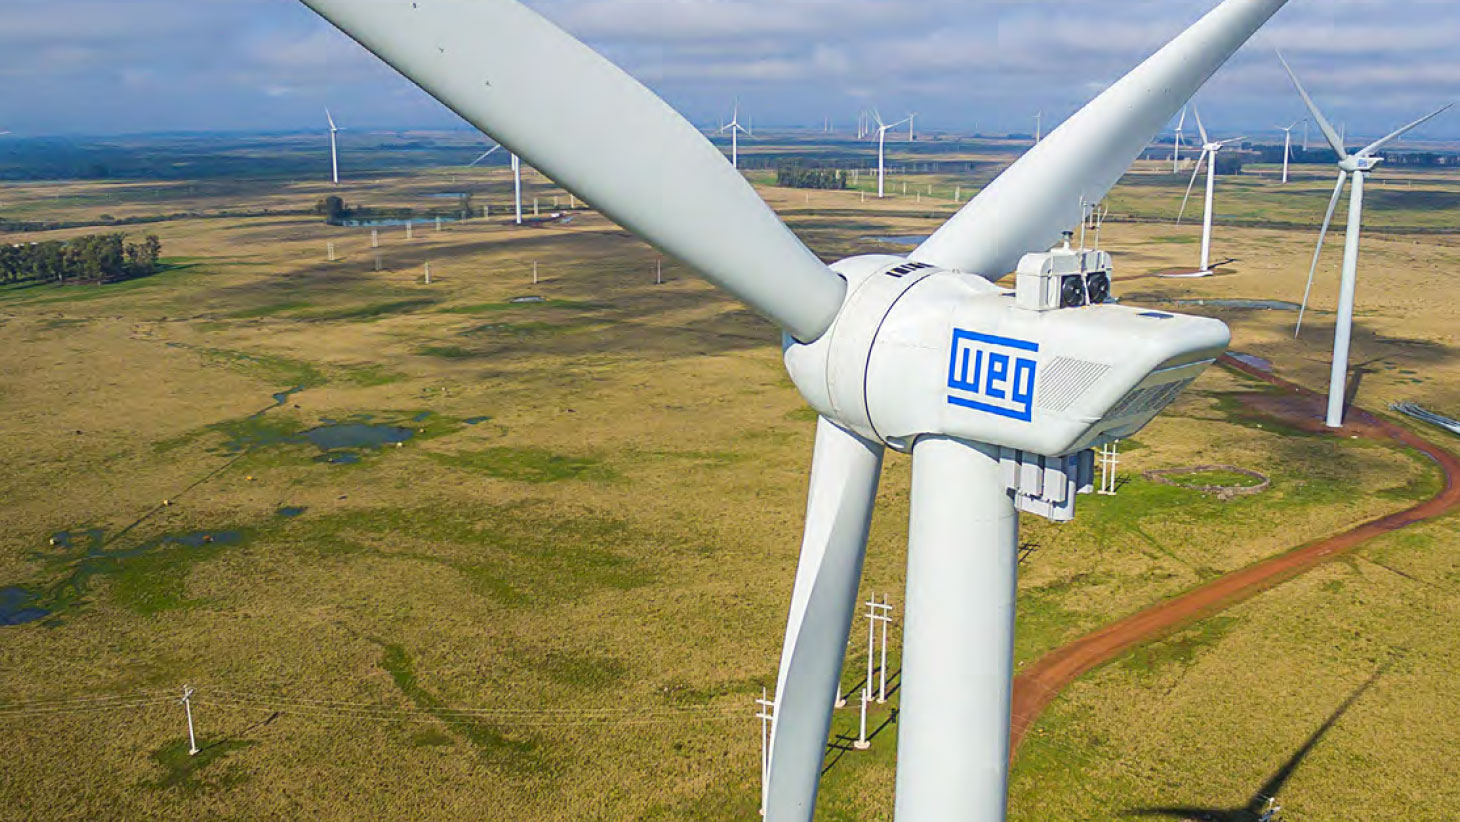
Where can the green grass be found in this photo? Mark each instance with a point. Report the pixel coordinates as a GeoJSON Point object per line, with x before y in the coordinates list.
{"type": "Point", "coordinates": [183, 771]}
{"type": "Point", "coordinates": [533, 465]}
{"type": "Point", "coordinates": [450, 352]}
{"type": "Point", "coordinates": [369, 311]}
{"type": "Point", "coordinates": [270, 368]}
{"type": "Point", "coordinates": [513, 752]}
{"type": "Point", "coordinates": [1181, 648]}
{"type": "Point", "coordinates": [488, 308]}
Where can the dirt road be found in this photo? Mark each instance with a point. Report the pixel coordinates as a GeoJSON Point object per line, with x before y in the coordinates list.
{"type": "Point", "coordinates": [1041, 682]}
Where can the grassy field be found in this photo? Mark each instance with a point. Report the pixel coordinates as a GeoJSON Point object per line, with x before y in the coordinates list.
{"type": "Point", "coordinates": [433, 551]}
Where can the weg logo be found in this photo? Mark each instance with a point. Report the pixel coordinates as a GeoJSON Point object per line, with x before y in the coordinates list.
{"type": "Point", "coordinates": [992, 374]}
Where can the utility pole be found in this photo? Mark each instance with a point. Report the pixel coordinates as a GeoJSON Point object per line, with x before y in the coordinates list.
{"type": "Point", "coordinates": [375, 238]}
{"type": "Point", "coordinates": [188, 706]}
{"type": "Point", "coordinates": [1109, 458]}
{"type": "Point", "coordinates": [428, 273]}
{"type": "Point", "coordinates": [862, 742]}
{"type": "Point", "coordinates": [534, 272]}
{"type": "Point", "coordinates": [659, 272]}
{"type": "Point", "coordinates": [767, 716]}
{"type": "Point", "coordinates": [886, 618]}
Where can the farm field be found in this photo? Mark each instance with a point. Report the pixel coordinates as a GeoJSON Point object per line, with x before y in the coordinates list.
{"type": "Point", "coordinates": [523, 550]}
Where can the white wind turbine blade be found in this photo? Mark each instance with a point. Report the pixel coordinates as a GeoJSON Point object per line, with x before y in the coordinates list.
{"type": "Point", "coordinates": [660, 179]}
{"type": "Point", "coordinates": [329, 117]}
{"type": "Point", "coordinates": [489, 152]}
{"type": "Point", "coordinates": [1378, 144]}
{"type": "Point", "coordinates": [1201, 129]}
{"type": "Point", "coordinates": [1181, 124]}
{"type": "Point", "coordinates": [1189, 186]}
{"type": "Point", "coordinates": [1318, 252]}
{"type": "Point", "coordinates": [844, 475]}
{"type": "Point", "coordinates": [1324, 126]}
{"type": "Point", "coordinates": [1035, 199]}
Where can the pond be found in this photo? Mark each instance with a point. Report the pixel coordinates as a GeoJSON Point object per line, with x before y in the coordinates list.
{"type": "Point", "coordinates": [17, 607]}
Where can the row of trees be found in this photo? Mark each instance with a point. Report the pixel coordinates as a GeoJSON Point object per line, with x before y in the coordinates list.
{"type": "Point", "coordinates": [795, 175]}
{"type": "Point", "coordinates": [335, 210]}
{"type": "Point", "coordinates": [93, 258]}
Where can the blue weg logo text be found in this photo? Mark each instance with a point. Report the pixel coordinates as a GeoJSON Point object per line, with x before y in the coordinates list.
{"type": "Point", "coordinates": [993, 374]}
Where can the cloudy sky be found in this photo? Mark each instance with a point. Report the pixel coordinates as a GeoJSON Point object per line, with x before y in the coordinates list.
{"type": "Point", "coordinates": [105, 66]}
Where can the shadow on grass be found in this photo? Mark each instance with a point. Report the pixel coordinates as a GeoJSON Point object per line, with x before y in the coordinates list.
{"type": "Point", "coordinates": [1262, 802]}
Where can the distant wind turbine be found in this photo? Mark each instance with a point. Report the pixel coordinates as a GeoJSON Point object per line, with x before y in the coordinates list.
{"type": "Point", "coordinates": [910, 118]}
{"type": "Point", "coordinates": [1288, 146]}
{"type": "Point", "coordinates": [1355, 166]}
{"type": "Point", "coordinates": [882, 129]}
{"type": "Point", "coordinates": [1038, 127]}
{"type": "Point", "coordinates": [735, 128]}
{"type": "Point", "coordinates": [334, 146]}
{"type": "Point", "coordinates": [1176, 146]}
{"type": "Point", "coordinates": [1209, 151]}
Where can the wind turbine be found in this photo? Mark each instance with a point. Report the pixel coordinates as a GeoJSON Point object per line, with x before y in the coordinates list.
{"type": "Point", "coordinates": [1038, 127]}
{"type": "Point", "coordinates": [735, 128]}
{"type": "Point", "coordinates": [334, 146]}
{"type": "Point", "coordinates": [882, 129]}
{"type": "Point", "coordinates": [923, 354]}
{"type": "Point", "coordinates": [1353, 166]}
{"type": "Point", "coordinates": [1288, 145]}
{"type": "Point", "coordinates": [1176, 145]}
{"type": "Point", "coordinates": [910, 118]}
{"type": "Point", "coordinates": [1209, 151]}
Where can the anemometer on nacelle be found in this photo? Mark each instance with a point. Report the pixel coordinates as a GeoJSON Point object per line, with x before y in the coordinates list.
{"type": "Point", "coordinates": [1046, 371]}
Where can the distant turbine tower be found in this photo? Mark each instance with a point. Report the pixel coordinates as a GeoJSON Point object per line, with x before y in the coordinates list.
{"type": "Point", "coordinates": [334, 146]}
{"type": "Point", "coordinates": [489, 152]}
{"type": "Point", "coordinates": [1288, 146]}
{"type": "Point", "coordinates": [910, 117]}
{"type": "Point", "coordinates": [1209, 151]}
{"type": "Point", "coordinates": [1038, 127]}
{"type": "Point", "coordinates": [882, 129]}
{"type": "Point", "coordinates": [517, 185]}
{"type": "Point", "coordinates": [735, 128]}
{"type": "Point", "coordinates": [1355, 165]}
{"type": "Point", "coordinates": [1176, 146]}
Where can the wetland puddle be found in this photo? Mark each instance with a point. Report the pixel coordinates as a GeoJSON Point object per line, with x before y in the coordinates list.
{"type": "Point", "coordinates": [17, 607]}
{"type": "Point", "coordinates": [144, 566]}
{"type": "Point", "coordinates": [341, 442]}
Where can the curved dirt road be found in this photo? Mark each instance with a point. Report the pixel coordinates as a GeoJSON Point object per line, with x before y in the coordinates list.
{"type": "Point", "coordinates": [1037, 685]}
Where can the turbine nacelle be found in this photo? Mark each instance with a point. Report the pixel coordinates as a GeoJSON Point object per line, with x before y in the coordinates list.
{"type": "Point", "coordinates": [1359, 162]}
{"type": "Point", "coordinates": [919, 350]}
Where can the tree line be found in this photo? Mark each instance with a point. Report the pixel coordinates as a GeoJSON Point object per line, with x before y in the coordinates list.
{"type": "Point", "coordinates": [93, 258]}
{"type": "Point", "coordinates": [796, 175]}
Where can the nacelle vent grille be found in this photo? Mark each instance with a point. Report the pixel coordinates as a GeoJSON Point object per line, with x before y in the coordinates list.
{"type": "Point", "coordinates": [1066, 380]}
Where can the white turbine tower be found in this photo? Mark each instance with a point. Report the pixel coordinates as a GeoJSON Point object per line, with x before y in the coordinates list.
{"type": "Point", "coordinates": [1176, 144]}
{"type": "Point", "coordinates": [517, 185]}
{"type": "Point", "coordinates": [1288, 146]}
{"type": "Point", "coordinates": [1209, 151]}
{"type": "Point", "coordinates": [910, 135]}
{"type": "Point", "coordinates": [882, 129]}
{"type": "Point", "coordinates": [735, 130]}
{"type": "Point", "coordinates": [999, 400]}
{"type": "Point", "coordinates": [334, 146]}
{"type": "Point", "coordinates": [1353, 166]}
